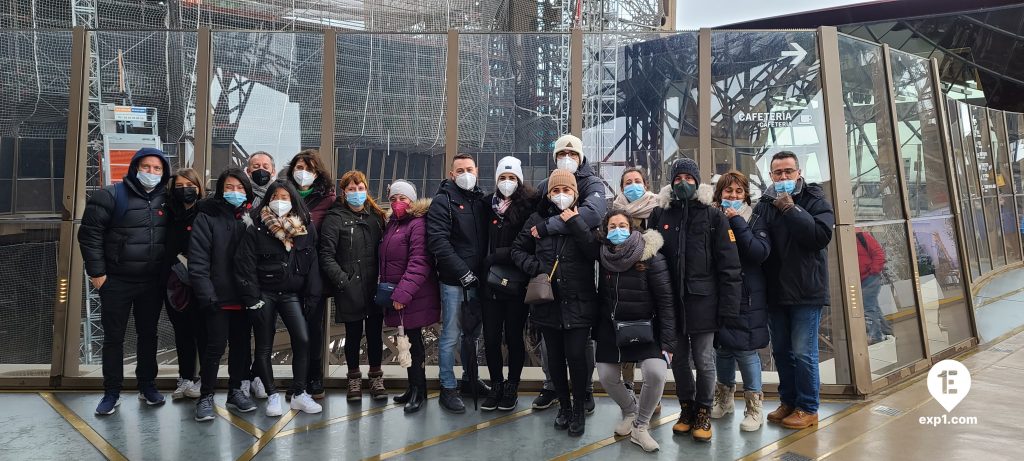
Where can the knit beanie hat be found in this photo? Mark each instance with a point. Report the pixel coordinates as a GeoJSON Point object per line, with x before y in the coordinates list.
{"type": "Point", "coordinates": [562, 178]}
{"type": "Point", "coordinates": [404, 188]}
{"type": "Point", "coordinates": [570, 143]}
{"type": "Point", "coordinates": [512, 165]}
{"type": "Point", "coordinates": [687, 166]}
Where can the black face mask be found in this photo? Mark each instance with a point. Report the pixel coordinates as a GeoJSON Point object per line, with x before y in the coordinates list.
{"type": "Point", "coordinates": [260, 177]}
{"type": "Point", "coordinates": [186, 195]}
{"type": "Point", "coordinates": [684, 191]}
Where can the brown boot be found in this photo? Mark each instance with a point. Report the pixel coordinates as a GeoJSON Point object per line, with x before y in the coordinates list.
{"type": "Point", "coordinates": [702, 424]}
{"type": "Point", "coordinates": [685, 422]}
{"type": "Point", "coordinates": [800, 419]}
{"type": "Point", "coordinates": [355, 386]}
{"type": "Point", "coordinates": [377, 390]}
{"type": "Point", "coordinates": [780, 413]}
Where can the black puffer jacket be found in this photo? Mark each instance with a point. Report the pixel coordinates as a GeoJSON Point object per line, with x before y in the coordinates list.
{"type": "Point", "coordinates": [576, 301]}
{"type": "Point", "coordinates": [457, 232]}
{"type": "Point", "coordinates": [131, 246]}
{"type": "Point", "coordinates": [749, 331]}
{"type": "Point", "coordinates": [637, 294]}
{"type": "Point", "coordinates": [704, 261]}
{"type": "Point", "coordinates": [502, 232]}
{"type": "Point", "coordinates": [179, 232]}
{"type": "Point", "coordinates": [263, 264]}
{"type": "Point", "coordinates": [348, 256]}
{"type": "Point", "coordinates": [593, 205]}
{"type": "Point", "coordinates": [797, 269]}
{"type": "Point", "coordinates": [216, 232]}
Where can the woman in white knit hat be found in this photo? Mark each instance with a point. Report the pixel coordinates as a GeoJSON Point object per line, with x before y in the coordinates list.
{"type": "Point", "coordinates": [505, 313]}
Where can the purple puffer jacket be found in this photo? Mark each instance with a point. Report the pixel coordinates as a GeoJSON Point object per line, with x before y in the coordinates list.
{"type": "Point", "coordinates": [404, 261]}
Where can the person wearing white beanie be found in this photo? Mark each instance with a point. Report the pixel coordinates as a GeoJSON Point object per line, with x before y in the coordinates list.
{"type": "Point", "coordinates": [512, 165]}
{"type": "Point", "coordinates": [404, 188]}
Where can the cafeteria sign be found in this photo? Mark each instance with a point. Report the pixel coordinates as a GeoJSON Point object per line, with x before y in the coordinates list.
{"type": "Point", "coordinates": [774, 119]}
{"type": "Point", "coordinates": [129, 114]}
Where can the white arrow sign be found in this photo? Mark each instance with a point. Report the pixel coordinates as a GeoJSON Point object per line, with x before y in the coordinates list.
{"type": "Point", "coordinates": [798, 53]}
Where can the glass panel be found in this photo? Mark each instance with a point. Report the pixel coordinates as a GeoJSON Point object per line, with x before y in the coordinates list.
{"type": "Point", "coordinates": [383, 110]}
{"type": "Point", "coordinates": [995, 231]}
{"type": "Point", "coordinates": [982, 150]}
{"type": "Point", "coordinates": [1000, 156]}
{"type": "Point", "coordinates": [967, 214]}
{"type": "Point", "coordinates": [34, 158]}
{"type": "Point", "coordinates": [639, 102]}
{"type": "Point", "coordinates": [1014, 127]}
{"type": "Point", "coordinates": [1009, 223]}
{"type": "Point", "coordinates": [981, 236]}
{"type": "Point", "coordinates": [29, 284]}
{"type": "Point", "coordinates": [766, 97]}
{"type": "Point", "coordinates": [873, 166]}
{"type": "Point", "coordinates": [968, 125]}
{"type": "Point", "coordinates": [920, 136]}
{"type": "Point", "coordinates": [1020, 216]}
{"type": "Point", "coordinates": [266, 95]}
{"type": "Point", "coordinates": [942, 289]}
{"type": "Point", "coordinates": [887, 288]}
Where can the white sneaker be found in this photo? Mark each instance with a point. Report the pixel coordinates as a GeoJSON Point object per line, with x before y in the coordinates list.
{"type": "Point", "coordinates": [195, 390]}
{"type": "Point", "coordinates": [183, 386]}
{"type": "Point", "coordinates": [626, 425]}
{"type": "Point", "coordinates": [246, 385]}
{"type": "Point", "coordinates": [304, 402]}
{"type": "Point", "coordinates": [642, 437]}
{"type": "Point", "coordinates": [258, 391]}
{"type": "Point", "coordinates": [274, 405]}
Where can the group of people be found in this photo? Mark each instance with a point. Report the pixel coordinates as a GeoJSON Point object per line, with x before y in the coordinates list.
{"type": "Point", "coordinates": [694, 278]}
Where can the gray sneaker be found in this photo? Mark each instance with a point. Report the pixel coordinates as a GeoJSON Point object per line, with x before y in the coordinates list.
{"type": "Point", "coordinates": [241, 402]}
{"type": "Point", "coordinates": [204, 408]}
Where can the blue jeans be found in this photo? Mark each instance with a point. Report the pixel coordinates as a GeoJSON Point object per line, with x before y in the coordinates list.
{"type": "Point", "coordinates": [750, 368]}
{"type": "Point", "coordinates": [451, 334]}
{"type": "Point", "coordinates": [794, 332]}
{"type": "Point", "coordinates": [875, 322]}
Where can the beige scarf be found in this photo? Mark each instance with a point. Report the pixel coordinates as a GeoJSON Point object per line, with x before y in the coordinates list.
{"type": "Point", "coordinates": [639, 209]}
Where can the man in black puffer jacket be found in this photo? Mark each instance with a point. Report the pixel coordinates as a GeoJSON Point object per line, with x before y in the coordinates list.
{"type": "Point", "coordinates": [122, 238]}
{"type": "Point", "coordinates": [799, 221]}
{"type": "Point", "coordinates": [705, 266]}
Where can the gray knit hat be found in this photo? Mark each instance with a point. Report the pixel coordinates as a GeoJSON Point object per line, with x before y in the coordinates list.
{"type": "Point", "coordinates": [402, 187]}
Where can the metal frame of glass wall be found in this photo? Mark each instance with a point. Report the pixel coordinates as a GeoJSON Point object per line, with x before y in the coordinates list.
{"type": "Point", "coordinates": [878, 135]}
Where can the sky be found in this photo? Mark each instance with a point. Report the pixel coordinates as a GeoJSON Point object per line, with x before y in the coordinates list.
{"type": "Point", "coordinates": [694, 14]}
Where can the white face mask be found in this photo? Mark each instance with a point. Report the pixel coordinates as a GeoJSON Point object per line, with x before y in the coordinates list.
{"type": "Point", "coordinates": [563, 201]}
{"type": "Point", "coordinates": [507, 187]}
{"type": "Point", "coordinates": [466, 181]}
{"type": "Point", "coordinates": [567, 163]}
{"type": "Point", "coordinates": [304, 178]}
{"type": "Point", "coordinates": [280, 207]}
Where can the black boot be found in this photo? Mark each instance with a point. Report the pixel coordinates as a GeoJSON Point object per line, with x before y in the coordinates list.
{"type": "Point", "coordinates": [491, 401]}
{"type": "Point", "coordinates": [564, 416]}
{"type": "Point", "coordinates": [451, 401]}
{"type": "Point", "coordinates": [509, 396]}
{"type": "Point", "coordinates": [404, 397]}
{"type": "Point", "coordinates": [482, 388]}
{"type": "Point", "coordinates": [416, 399]}
{"type": "Point", "coordinates": [578, 422]}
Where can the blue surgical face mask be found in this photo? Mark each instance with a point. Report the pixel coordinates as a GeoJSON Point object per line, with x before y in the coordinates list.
{"type": "Point", "coordinates": [734, 204]}
{"type": "Point", "coordinates": [618, 235]}
{"type": "Point", "coordinates": [236, 199]}
{"type": "Point", "coordinates": [633, 192]}
{"type": "Point", "coordinates": [787, 186]}
{"type": "Point", "coordinates": [356, 198]}
{"type": "Point", "coordinates": [148, 180]}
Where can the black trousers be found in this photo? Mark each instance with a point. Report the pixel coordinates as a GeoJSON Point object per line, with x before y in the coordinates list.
{"type": "Point", "coordinates": [568, 348]}
{"type": "Point", "coordinates": [417, 372]}
{"type": "Point", "coordinates": [118, 299]}
{"type": "Point", "coordinates": [264, 326]}
{"type": "Point", "coordinates": [189, 338]}
{"type": "Point", "coordinates": [315, 327]}
{"type": "Point", "coordinates": [505, 319]}
{"type": "Point", "coordinates": [374, 341]}
{"type": "Point", "coordinates": [225, 328]}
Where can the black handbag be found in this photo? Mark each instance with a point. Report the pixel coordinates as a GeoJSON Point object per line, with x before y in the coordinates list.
{"type": "Point", "coordinates": [634, 333]}
{"type": "Point", "coordinates": [383, 296]}
{"type": "Point", "coordinates": [505, 279]}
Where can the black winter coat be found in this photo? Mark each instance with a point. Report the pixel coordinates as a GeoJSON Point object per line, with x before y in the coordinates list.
{"type": "Point", "coordinates": [216, 233]}
{"type": "Point", "coordinates": [704, 261]}
{"type": "Point", "coordinates": [637, 294]}
{"type": "Point", "coordinates": [797, 269]}
{"type": "Point", "coordinates": [576, 304]}
{"type": "Point", "coordinates": [593, 205]}
{"type": "Point", "coordinates": [179, 232]}
{"type": "Point", "coordinates": [457, 232]}
{"type": "Point", "coordinates": [348, 257]}
{"type": "Point", "coordinates": [132, 246]}
{"type": "Point", "coordinates": [749, 331]}
{"type": "Point", "coordinates": [501, 234]}
{"type": "Point", "coordinates": [263, 264]}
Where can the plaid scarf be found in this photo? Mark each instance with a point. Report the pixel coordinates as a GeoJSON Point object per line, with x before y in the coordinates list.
{"type": "Point", "coordinates": [284, 228]}
{"type": "Point", "coordinates": [500, 206]}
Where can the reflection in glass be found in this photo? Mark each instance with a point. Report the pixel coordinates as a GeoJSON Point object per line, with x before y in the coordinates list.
{"type": "Point", "coordinates": [1010, 225]}
{"type": "Point", "coordinates": [982, 150]}
{"type": "Point", "coordinates": [995, 231]}
{"type": "Point", "coordinates": [1000, 156]}
{"type": "Point", "coordinates": [981, 236]}
{"type": "Point", "coordinates": [941, 283]}
{"type": "Point", "coordinates": [887, 290]}
{"type": "Point", "coordinates": [873, 166]}
{"type": "Point", "coordinates": [1014, 130]}
{"type": "Point", "coordinates": [967, 213]}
